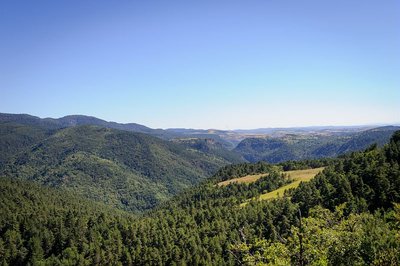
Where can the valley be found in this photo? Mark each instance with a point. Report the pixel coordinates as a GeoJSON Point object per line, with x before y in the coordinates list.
{"type": "Point", "coordinates": [128, 170]}
{"type": "Point", "coordinates": [200, 133]}
{"type": "Point", "coordinates": [87, 194]}
{"type": "Point", "coordinates": [136, 168]}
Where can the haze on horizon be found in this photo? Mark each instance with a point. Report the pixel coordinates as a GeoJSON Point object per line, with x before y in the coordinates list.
{"type": "Point", "coordinates": [209, 64]}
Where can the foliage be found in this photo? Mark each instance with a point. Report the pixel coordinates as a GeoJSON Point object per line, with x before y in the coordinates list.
{"type": "Point", "coordinates": [41, 226]}
{"type": "Point", "coordinates": [16, 137]}
{"type": "Point", "coordinates": [329, 238]}
{"type": "Point", "coordinates": [358, 228]}
{"type": "Point", "coordinates": [366, 180]}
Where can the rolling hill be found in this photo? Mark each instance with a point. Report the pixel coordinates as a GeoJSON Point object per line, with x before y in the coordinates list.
{"type": "Point", "coordinates": [115, 164]}
{"type": "Point", "coordinates": [79, 120]}
{"type": "Point", "coordinates": [132, 171]}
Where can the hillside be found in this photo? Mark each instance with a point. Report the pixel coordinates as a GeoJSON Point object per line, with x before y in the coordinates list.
{"type": "Point", "coordinates": [79, 120]}
{"type": "Point", "coordinates": [210, 146]}
{"type": "Point", "coordinates": [128, 170]}
{"type": "Point", "coordinates": [228, 138]}
{"type": "Point", "coordinates": [38, 222]}
{"type": "Point", "coordinates": [309, 146]}
{"type": "Point", "coordinates": [14, 138]}
{"type": "Point", "coordinates": [346, 215]}
{"type": "Point", "coordinates": [272, 145]}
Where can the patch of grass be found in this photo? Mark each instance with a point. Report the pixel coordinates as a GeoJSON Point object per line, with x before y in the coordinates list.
{"type": "Point", "coordinates": [303, 175]}
{"type": "Point", "coordinates": [297, 176]}
{"type": "Point", "coordinates": [246, 179]}
{"type": "Point", "coordinates": [280, 191]}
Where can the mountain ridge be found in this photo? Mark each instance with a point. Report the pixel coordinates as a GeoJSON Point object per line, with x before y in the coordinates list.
{"type": "Point", "coordinates": [129, 170]}
{"type": "Point", "coordinates": [231, 136]}
{"type": "Point", "coordinates": [298, 147]}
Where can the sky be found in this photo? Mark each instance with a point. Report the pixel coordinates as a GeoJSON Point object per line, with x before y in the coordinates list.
{"type": "Point", "coordinates": [203, 64]}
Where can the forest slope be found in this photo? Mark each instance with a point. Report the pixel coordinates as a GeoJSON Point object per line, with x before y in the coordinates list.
{"type": "Point", "coordinates": [128, 170]}
{"type": "Point", "coordinates": [346, 215]}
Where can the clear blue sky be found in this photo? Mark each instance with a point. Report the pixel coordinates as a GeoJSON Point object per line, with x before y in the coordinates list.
{"type": "Point", "coordinates": [203, 64]}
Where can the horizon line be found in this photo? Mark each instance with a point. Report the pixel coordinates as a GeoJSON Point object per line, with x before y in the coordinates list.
{"type": "Point", "coordinates": [221, 129]}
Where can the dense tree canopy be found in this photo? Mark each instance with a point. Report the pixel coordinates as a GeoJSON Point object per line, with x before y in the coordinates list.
{"type": "Point", "coordinates": [349, 216]}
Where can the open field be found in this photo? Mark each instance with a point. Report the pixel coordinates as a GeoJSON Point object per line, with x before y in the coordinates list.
{"type": "Point", "coordinates": [302, 175]}
{"type": "Point", "coordinates": [297, 176]}
{"type": "Point", "coordinates": [245, 179]}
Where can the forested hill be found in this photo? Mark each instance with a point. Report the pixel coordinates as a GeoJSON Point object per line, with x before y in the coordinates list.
{"type": "Point", "coordinates": [347, 215]}
{"type": "Point", "coordinates": [15, 138]}
{"type": "Point", "coordinates": [79, 120]}
{"type": "Point", "coordinates": [132, 171]}
{"type": "Point", "coordinates": [300, 147]}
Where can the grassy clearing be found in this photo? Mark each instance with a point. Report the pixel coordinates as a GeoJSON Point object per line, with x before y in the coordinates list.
{"type": "Point", "coordinates": [246, 179]}
{"type": "Point", "coordinates": [297, 176]}
{"type": "Point", "coordinates": [304, 175]}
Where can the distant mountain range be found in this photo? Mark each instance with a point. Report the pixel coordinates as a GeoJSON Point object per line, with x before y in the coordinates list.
{"type": "Point", "coordinates": [126, 169]}
{"type": "Point", "coordinates": [311, 146]}
{"type": "Point", "coordinates": [79, 120]}
{"type": "Point", "coordinates": [134, 167]}
{"type": "Point", "coordinates": [229, 138]}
